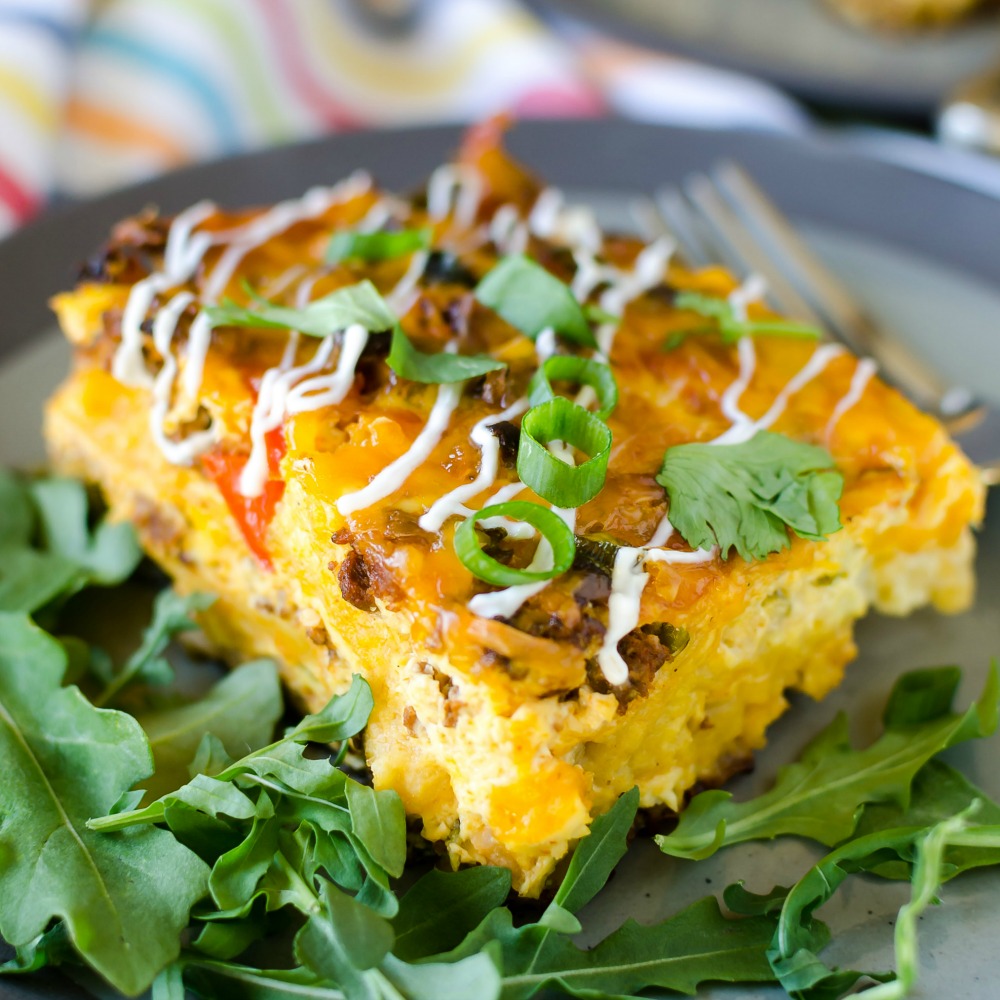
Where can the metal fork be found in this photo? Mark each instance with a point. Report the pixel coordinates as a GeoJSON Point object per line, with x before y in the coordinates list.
{"type": "Point", "coordinates": [723, 216]}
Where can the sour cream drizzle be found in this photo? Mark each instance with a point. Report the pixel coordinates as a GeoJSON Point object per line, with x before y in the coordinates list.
{"type": "Point", "coordinates": [454, 189]}
{"type": "Point", "coordinates": [184, 251]}
{"type": "Point", "coordinates": [181, 452]}
{"type": "Point", "coordinates": [863, 373]}
{"type": "Point", "coordinates": [392, 477]}
{"type": "Point", "coordinates": [452, 504]}
{"type": "Point", "coordinates": [508, 231]}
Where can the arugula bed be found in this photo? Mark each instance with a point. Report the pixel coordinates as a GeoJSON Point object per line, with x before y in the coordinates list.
{"type": "Point", "coordinates": [181, 847]}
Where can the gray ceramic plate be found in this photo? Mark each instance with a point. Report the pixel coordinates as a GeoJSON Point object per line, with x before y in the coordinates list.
{"type": "Point", "coordinates": [801, 45]}
{"type": "Point", "coordinates": [920, 251]}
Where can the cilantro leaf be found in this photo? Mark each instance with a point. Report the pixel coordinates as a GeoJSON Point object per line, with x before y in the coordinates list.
{"type": "Point", "coordinates": [373, 247]}
{"type": "Point", "coordinates": [821, 795]}
{"type": "Point", "coordinates": [409, 362]}
{"type": "Point", "coordinates": [729, 326]}
{"type": "Point", "coordinates": [124, 900]}
{"type": "Point", "coordinates": [746, 496]}
{"type": "Point", "coordinates": [531, 299]}
{"type": "Point", "coordinates": [360, 303]}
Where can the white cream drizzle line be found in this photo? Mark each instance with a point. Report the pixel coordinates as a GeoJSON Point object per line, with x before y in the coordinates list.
{"type": "Point", "coordinates": [181, 452]}
{"type": "Point", "coordinates": [392, 477]}
{"type": "Point", "coordinates": [863, 374]}
{"type": "Point", "coordinates": [508, 231]}
{"type": "Point", "coordinates": [572, 225]}
{"type": "Point", "coordinates": [285, 391]}
{"type": "Point", "coordinates": [184, 251]}
{"type": "Point", "coordinates": [454, 189]}
{"type": "Point", "coordinates": [452, 504]}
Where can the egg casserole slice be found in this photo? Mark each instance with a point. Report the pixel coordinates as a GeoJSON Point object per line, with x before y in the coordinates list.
{"type": "Point", "coordinates": [722, 494]}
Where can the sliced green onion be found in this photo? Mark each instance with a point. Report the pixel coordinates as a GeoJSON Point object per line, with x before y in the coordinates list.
{"type": "Point", "coordinates": [569, 368]}
{"type": "Point", "coordinates": [360, 303]}
{"type": "Point", "coordinates": [598, 315]}
{"type": "Point", "coordinates": [411, 363]}
{"type": "Point", "coordinates": [731, 328]}
{"type": "Point", "coordinates": [551, 526]}
{"type": "Point", "coordinates": [531, 299]}
{"type": "Point", "coordinates": [376, 246]}
{"type": "Point", "coordinates": [552, 479]}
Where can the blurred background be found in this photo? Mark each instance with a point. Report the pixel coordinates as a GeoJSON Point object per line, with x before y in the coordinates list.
{"type": "Point", "coordinates": [95, 94]}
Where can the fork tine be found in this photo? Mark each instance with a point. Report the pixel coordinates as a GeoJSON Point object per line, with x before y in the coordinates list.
{"type": "Point", "coordinates": [835, 303]}
{"type": "Point", "coordinates": [739, 245]}
{"type": "Point", "coordinates": [684, 228]}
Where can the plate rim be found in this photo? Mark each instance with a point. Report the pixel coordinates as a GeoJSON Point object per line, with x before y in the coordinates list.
{"type": "Point", "coordinates": [822, 90]}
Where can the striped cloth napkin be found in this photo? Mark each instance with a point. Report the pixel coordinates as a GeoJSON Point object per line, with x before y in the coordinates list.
{"type": "Point", "coordinates": [99, 93]}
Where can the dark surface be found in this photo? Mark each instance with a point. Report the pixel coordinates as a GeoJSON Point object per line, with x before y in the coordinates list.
{"type": "Point", "coordinates": [817, 178]}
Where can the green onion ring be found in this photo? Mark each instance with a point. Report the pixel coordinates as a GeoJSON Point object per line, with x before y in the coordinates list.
{"type": "Point", "coordinates": [552, 479]}
{"type": "Point", "coordinates": [552, 527]}
{"type": "Point", "coordinates": [584, 371]}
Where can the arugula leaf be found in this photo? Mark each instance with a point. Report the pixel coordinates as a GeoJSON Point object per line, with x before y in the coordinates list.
{"type": "Point", "coordinates": [375, 819]}
{"type": "Point", "coordinates": [36, 572]}
{"type": "Point", "coordinates": [109, 554]}
{"type": "Point", "coordinates": [441, 908]}
{"type": "Point", "coordinates": [597, 854]}
{"type": "Point", "coordinates": [475, 976]}
{"type": "Point", "coordinates": [18, 523]}
{"type": "Point", "coordinates": [745, 496]}
{"type": "Point", "coordinates": [928, 874]}
{"type": "Point", "coordinates": [124, 900]}
{"type": "Point", "coordinates": [938, 793]}
{"type": "Point", "coordinates": [731, 328]}
{"type": "Point", "coordinates": [374, 247]}
{"type": "Point", "coordinates": [798, 935]}
{"type": "Point", "coordinates": [171, 616]}
{"type": "Point", "coordinates": [53, 947]}
{"type": "Point", "coordinates": [360, 303]}
{"type": "Point", "coordinates": [696, 946]}
{"type": "Point", "coordinates": [343, 939]}
{"type": "Point", "coordinates": [531, 299]}
{"type": "Point", "coordinates": [411, 363]}
{"type": "Point", "coordinates": [241, 711]}
{"type": "Point", "coordinates": [230, 979]}
{"type": "Point", "coordinates": [821, 795]}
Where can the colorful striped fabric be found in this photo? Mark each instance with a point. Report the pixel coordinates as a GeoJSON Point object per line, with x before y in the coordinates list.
{"type": "Point", "coordinates": [99, 93]}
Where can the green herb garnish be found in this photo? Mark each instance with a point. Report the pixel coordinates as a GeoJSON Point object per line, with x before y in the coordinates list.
{"type": "Point", "coordinates": [582, 371]}
{"type": "Point", "coordinates": [531, 299]}
{"type": "Point", "coordinates": [360, 304]}
{"type": "Point", "coordinates": [745, 496]}
{"type": "Point", "coordinates": [550, 525]}
{"type": "Point", "coordinates": [726, 323]}
{"type": "Point", "coordinates": [411, 363]}
{"type": "Point", "coordinates": [373, 247]}
{"type": "Point", "coordinates": [550, 477]}
{"type": "Point", "coordinates": [821, 795]}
